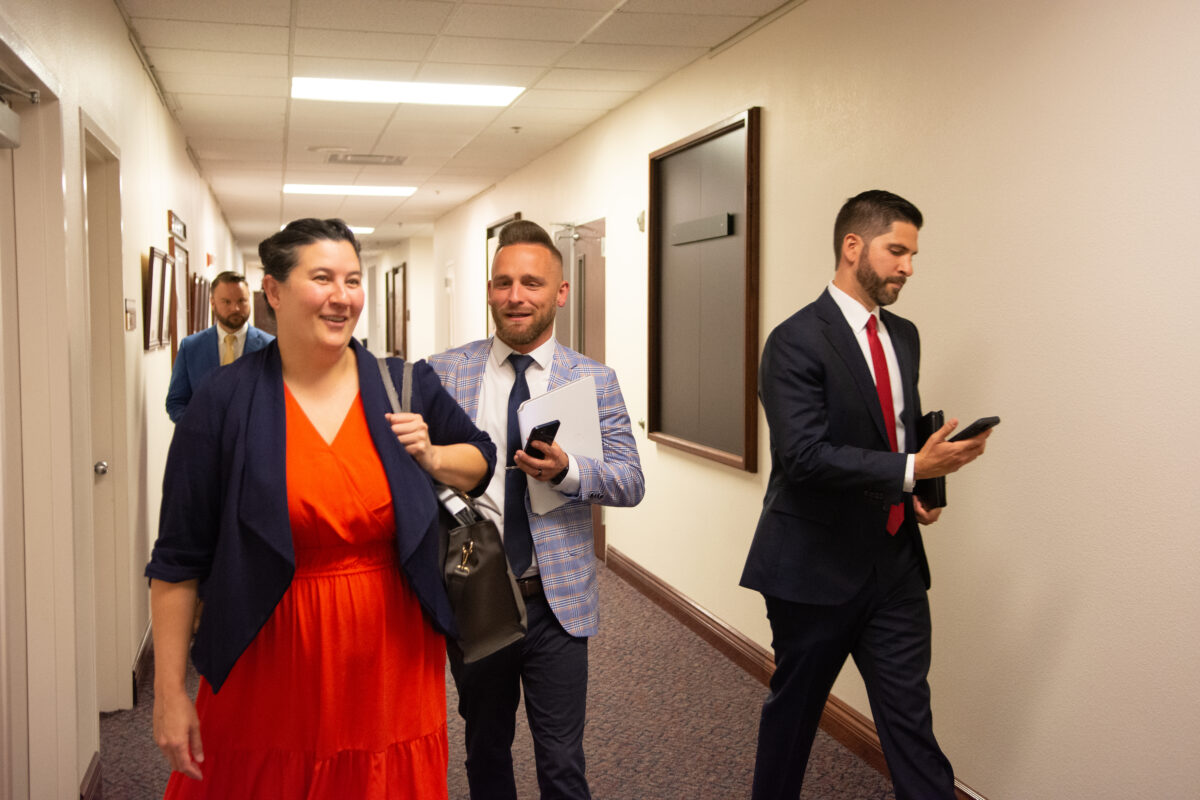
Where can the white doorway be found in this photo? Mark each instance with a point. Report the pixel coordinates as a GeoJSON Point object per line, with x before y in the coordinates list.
{"type": "Point", "coordinates": [112, 576]}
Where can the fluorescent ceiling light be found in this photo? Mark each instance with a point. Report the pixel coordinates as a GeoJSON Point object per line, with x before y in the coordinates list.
{"type": "Point", "coordinates": [357, 191]}
{"type": "Point", "coordinates": [438, 94]}
{"type": "Point", "coordinates": [359, 230]}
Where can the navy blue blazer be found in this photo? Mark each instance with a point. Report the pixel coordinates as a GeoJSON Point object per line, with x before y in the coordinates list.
{"type": "Point", "coordinates": [224, 517]}
{"type": "Point", "coordinates": [199, 354]}
{"type": "Point", "coordinates": [833, 474]}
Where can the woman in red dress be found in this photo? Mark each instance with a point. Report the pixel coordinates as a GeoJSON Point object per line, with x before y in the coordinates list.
{"type": "Point", "coordinates": [300, 510]}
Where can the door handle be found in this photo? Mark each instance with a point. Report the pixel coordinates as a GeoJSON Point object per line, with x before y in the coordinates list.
{"type": "Point", "coordinates": [100, 468]}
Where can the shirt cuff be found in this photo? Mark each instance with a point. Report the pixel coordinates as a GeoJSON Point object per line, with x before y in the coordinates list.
{"type": "Point", "coordinates": [569, 485]}
{"type": "Point", "coordinates": [910, 482]}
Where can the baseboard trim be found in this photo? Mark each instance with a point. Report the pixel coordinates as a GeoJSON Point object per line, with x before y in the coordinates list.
{"type": "Point", "coordinates": [143, 661]}
{"type": "Point", "coordinates": [92, 787]}
{"type": "Point", "coordinates": [851, 729]}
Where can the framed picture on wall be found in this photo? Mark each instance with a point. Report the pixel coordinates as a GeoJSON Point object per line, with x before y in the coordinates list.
{"type": "Point", "coordinates": [166, 288]}
{"type": "Point", "coordinates": [703, 292]}
{"type": "Point", "coordinates": [154, 295]}
{"type": "Point", "coordinates": [180, 254]}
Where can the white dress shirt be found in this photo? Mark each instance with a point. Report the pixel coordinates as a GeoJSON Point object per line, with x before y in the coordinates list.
{"type": "Point", "coordinates": [857, 317]}
{"type": "Point", "coordinates": [239, 344]}
{"type": "Point", "coordinates": [498, 379]}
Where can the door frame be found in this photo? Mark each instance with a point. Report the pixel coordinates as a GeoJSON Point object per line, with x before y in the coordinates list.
{"type": "Point", "coordinates": [113, 563]}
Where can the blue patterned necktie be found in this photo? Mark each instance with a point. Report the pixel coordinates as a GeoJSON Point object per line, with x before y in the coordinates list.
{"type": "Point", "coordinates": [518, 542]}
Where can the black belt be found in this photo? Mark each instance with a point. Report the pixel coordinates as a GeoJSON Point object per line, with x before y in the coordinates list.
{"type": "Point", "coordinates": [531, 586]}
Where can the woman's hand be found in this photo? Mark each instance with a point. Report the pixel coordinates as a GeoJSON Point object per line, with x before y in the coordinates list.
{"type": "Point", "coordinates": [459, 465]}
{"type": "Point", "coordinates": [177, 731]}
{"type": "Point", "coordinates": [413, 434]}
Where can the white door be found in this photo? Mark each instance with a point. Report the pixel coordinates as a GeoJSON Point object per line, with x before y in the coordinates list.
{"type": "Point", "coordinates": [112, 576]}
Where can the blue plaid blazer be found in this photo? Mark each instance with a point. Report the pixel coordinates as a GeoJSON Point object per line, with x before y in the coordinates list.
{"type": "Point", "coordinates": [562, 539]}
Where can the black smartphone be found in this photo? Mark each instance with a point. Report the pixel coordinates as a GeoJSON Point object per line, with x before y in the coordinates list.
{"type": "Point", "coordinates": [975, 428]}
{"type": "Point", "coordinates": [543, 433]}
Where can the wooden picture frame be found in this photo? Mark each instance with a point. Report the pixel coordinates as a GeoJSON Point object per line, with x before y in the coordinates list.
{"type": "Point", "coordinates": [703, 293]}
{"type": "Point", "coordinates": [180, 254]}
{"type": "Point", "coordinates": [493, 244]}
{"type": "Point", "coordinates": [156, 294]}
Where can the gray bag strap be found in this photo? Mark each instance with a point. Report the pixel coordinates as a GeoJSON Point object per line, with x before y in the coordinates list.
{"type": "Point", "coordinates": [403, 403]}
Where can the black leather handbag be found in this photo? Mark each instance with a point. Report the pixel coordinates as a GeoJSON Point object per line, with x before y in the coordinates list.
{"type": "Point", "coordinates": [488, 609]}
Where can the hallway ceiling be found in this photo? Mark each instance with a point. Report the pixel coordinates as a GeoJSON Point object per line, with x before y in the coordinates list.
{"type": "Point", "coordinates": [225, 70]}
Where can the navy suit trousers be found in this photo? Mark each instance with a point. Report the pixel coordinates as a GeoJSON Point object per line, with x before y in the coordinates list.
{"type": "Point", "coordinates": [552, 667]}
{"type": "Point", "coordinates": [886, 628]}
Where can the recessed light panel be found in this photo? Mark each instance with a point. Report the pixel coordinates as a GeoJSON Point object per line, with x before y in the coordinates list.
{"type": "Point", "coordinates": [356, 191]}
{"type": "Point", "coordinates": [438, 94]}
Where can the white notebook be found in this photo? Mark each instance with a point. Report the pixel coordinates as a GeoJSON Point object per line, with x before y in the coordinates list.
{"type": "Point", "coordinates": [574, 406]}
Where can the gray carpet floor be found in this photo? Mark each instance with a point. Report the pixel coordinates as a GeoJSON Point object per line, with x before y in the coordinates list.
{"type": "Point", "coordinates": [669, 718]}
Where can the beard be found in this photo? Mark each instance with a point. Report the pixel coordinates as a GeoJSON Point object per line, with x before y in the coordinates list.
{"type": "Point", "coordinates": [882, 291]}
{"type": "Point", "coordinates": [514, 335]}
{"type": "Point", "coordinates": [233, 322]}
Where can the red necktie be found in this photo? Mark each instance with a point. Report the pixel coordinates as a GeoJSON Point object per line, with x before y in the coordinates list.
{"type": "Point", "coordinates": [883, 387]}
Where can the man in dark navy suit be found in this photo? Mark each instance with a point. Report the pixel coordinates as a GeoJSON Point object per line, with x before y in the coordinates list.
{"type": "Point", "coordinates": [837, 553]}
{"type": "Point", "coordinates": [219, 344]}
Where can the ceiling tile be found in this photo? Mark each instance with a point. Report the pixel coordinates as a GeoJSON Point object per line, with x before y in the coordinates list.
{"type": "Point", "coordinates": [353, 69]}
{"type": "Point", "coordinates": [361, 44]}
{"type": "Point", "coordinates": [731, 8]}
{"type": "Point", "coordinates": [207, 83]}
{"type": "Point", "coordinates": [513, 22]}
{"type": "Point", "coordinates": [410, 16]}
{"type": "Point", "coordinates": [489, 74]}
{"type": "Point", "coordinates": [241, 150]}
{"type": "Point", "coordinates": [259, 12]}
{"type": "Point", "coordinates": [635, 57]}
{"type": "Point", "coordinates": [211, 62]}
{"type": "Point", "coordinates": [584, 5]}
{"type": "Point", "coordinates": [531, 117]}
{"type": "Point", "coordinates": [561, 98]}
{"type": "Point", "coordinates": [456, 49]}
{"type": "Point", "coordinates": [318, 114]}
{"type": "Point", "coordinates": [611, 80]}
{"type": "Point", "coordinates": [212, 36]}
{"type": "Point", "coordinates": [668, 29]}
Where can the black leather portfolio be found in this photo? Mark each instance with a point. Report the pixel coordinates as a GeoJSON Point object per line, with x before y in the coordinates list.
{"type": "Point", "coordinates": [932, 491]}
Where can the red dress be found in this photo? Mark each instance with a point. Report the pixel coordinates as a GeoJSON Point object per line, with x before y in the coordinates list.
{"type": "Point", "coordinates": [342, 693]}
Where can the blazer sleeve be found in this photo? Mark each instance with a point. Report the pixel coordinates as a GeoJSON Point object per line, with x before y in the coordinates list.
{"type": "Point", "coordinates": [191, 498]}
{"type": "Point", "coordinates": [815, 442]}
{"type": "Point", "coordinates": [448, 423]}
{"type": "Point", "coordinates": [179, 392]}
{"type": "Point", "coordinates": [616, 480]}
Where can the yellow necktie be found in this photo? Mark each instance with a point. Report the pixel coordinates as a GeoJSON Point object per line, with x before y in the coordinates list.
{"type": "Point", "coordinates": [227, 352]}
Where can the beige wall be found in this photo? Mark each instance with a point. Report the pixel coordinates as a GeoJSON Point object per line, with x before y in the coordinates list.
{"type": "Point", "coordinates": [1052, 149]}
{"type": "Point", "coordinates": [80, 52]}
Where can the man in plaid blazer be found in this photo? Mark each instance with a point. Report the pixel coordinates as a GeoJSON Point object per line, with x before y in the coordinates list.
{"type": "Point", "coordinates": [559, 585]}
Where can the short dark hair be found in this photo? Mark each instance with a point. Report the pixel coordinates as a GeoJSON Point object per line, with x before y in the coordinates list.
{"type": "Point", "coordinates": [278, 252]}
{"type": "Point", "coordinates": [524, 231]}
{"type": "Point", "coordinates": [227, 276]}
{"type": "Point", "coordinates": [871, 213]}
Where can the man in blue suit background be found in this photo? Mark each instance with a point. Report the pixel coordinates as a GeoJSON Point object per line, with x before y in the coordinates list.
{"type": "Point", "coordinates": [217, 345]}
{"type": "Point", "coordinates": [837, 553]}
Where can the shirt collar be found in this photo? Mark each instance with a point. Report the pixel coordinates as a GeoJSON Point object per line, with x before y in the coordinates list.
{"type": "Point", "coordinates": [543, 354]}
{"type": "Point", "coordinates": [240, 332]}
{"type": "Point", "coordinates": [852, 310]}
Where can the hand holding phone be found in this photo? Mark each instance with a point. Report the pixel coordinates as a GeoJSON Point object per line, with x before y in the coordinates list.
{"type": "Point", "coordinates": [543, 434]}
{"type": "Point", "coordinates": [975, 428]}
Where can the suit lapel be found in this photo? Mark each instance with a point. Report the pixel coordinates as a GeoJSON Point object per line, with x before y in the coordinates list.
{"type": "Point", "coordinates": [908, 372]}
{"type": "Point", "coordinates": [409, 484]}
{"type": "Point", "coordinates": [839, 335]}
{"type": "Point", "coordinates": [562, 368]}
{"type": "Point", "coordinates": [262, 504]}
